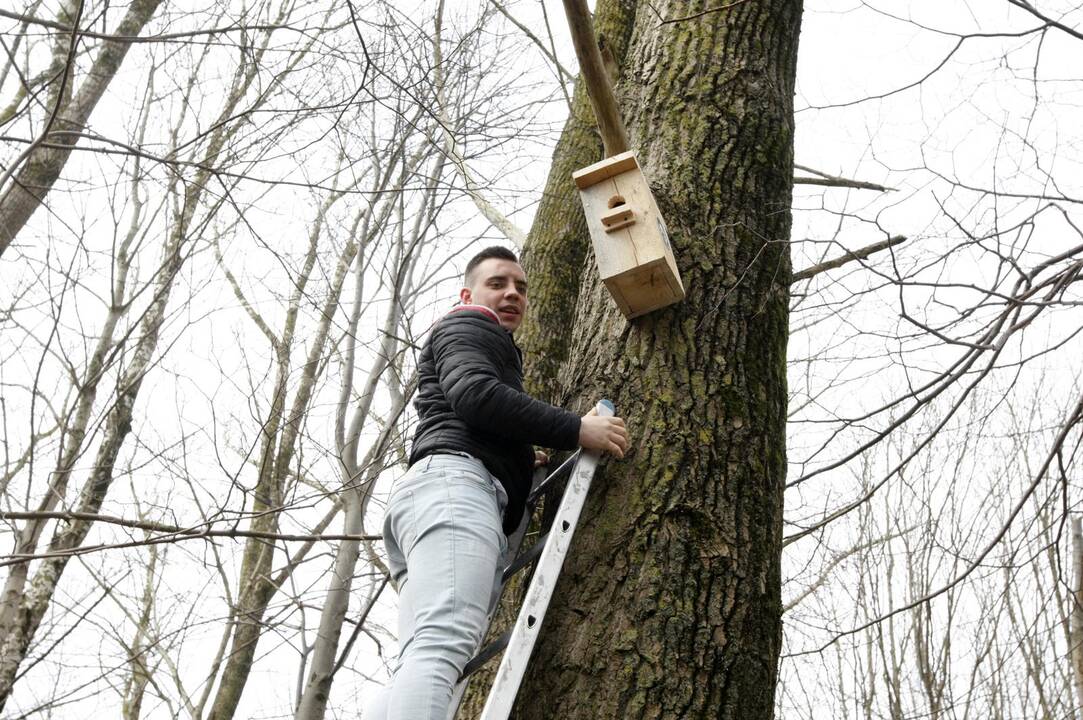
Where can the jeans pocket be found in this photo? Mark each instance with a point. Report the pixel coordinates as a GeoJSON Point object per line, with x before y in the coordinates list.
{"type": "Point", "coordinates": [473, 480]}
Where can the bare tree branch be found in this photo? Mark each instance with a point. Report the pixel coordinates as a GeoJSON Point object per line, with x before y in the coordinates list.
{"type": "Point", "coordinates": [849, 257]}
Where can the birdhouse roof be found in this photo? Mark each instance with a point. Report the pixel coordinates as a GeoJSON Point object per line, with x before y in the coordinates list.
{"type": "Point", "coordinates": [615, 165]}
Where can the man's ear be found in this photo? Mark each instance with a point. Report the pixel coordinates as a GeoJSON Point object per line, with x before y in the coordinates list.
{"type": "Point", "coordinates": [466, 296]}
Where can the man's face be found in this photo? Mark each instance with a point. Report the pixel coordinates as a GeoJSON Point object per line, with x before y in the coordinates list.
{"type": "Point", "coordinates": [499, 285]}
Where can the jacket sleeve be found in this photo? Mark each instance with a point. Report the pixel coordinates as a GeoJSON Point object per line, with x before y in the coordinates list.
{"type": "Point", "coordinates": [465, 347]}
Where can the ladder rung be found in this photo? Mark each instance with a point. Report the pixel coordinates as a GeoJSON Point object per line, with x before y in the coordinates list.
{"type": "Point", "coordinates": [525, 558]}
{"type": "Point", "coordinates": [487, 653]}
{"type": "Point", "coordinates": [564, 468]}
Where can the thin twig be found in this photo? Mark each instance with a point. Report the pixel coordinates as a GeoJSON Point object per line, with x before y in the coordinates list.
{"type": "Point", "coordinates": [847, 258]}
{"type": "Point", "coordinates": [836, 181]}
{"type": "Point", "coordinates": [53, 25]}
{"type": "Point", "coordinates": [200, 530]}
{"type": "Point", "coordinates": [535, 39]}
{"type": "Point", "coordinates": [693, 16]}
{"type": "Point", "coordinates": [359, 625]}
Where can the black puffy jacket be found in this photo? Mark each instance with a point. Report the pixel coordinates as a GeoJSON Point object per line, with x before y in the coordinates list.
{"type": "Point", "coordinates": [470, 399]}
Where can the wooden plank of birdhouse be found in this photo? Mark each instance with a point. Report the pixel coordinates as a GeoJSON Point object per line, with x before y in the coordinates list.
{"type": "Point", "coordinates": [653, 282]}
{"type": "Point", "coordinates": [617, 218]}
{"type": "Point", "coordinates": [652, 237]}
{"type": "Point", "coordinates": [614, 251]}
{"type": "Point", "coordinates": [646, 288]}
{"type": "Point", "coordinates": [604, 169]}
{"type": "Point", "coordinates": [642, 289]}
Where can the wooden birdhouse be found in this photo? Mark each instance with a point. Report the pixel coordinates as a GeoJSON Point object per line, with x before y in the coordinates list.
{"type": "Point", "coordinates": [630, 239]}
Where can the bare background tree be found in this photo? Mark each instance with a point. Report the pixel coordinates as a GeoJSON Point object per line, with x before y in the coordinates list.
{"type": "Point", "coordinates": [262, 203]}
{"type": "Point", "coordinates": [935, 395]}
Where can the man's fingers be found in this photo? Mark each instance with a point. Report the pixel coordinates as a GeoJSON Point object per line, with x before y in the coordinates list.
{"type": "Point", "coordinates": [618, 437]}
{"type": "Point", "coordinates": [608, 434]}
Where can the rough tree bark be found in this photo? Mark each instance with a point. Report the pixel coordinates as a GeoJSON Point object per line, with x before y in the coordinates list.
{"type": "Point", "coordinates": [558, 245]}
{"type": "Point", "coordinates": [669, 606]}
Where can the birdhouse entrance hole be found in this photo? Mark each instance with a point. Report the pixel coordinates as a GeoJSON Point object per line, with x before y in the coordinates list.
{"type": "Point", "coordinates": [619, 215]}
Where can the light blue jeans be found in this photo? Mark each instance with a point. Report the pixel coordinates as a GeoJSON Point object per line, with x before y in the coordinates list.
{"type": "Point", "coordinates": [445, 548]}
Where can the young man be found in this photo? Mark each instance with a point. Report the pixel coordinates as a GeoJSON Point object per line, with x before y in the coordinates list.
{"type": "Point", "coordinates": [470, 470]}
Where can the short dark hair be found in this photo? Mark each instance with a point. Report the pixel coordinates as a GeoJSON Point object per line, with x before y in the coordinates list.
{"type": "Point", "coordinates": [496, 251]}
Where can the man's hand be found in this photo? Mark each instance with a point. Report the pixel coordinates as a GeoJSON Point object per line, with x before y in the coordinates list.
{"type": "Point", "coordinates": [607, 434]}
{"type": "Point", "coordinates": [540, 459]}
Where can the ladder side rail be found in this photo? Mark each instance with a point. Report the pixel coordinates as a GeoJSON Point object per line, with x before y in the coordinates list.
{"type": "Point", "coordinates": [525, 632]}
{"type": "Point", "coordinates": [539, 483]}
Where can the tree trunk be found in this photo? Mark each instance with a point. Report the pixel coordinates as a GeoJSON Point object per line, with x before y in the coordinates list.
{"type": "Point", "coordinates": [141, 647]}
{"type": "Point", "coordinates": [75, 429]}
{"type": "Point", "coordinates": [557, 248]}
{"type": "Point", "coordinates": [1075, 636]}
{"type": "Point", "coordinates": [23, 611]}
{"type": "Point", "coordinates": [669, 605]}
{"type": "Point", "coordinates": [279, 447]}
{"type": "Point", "coordinates": [281, 433]}
{"type": "Point", "coordinates": [358, 480]}
{"type": "Point", "coordinates": [44, 163]}
{"type": "Point", "coordinates": [22, 608]}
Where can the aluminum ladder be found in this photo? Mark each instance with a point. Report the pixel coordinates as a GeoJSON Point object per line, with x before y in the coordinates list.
{"type": "Point", "coordinates": [549, 552]}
